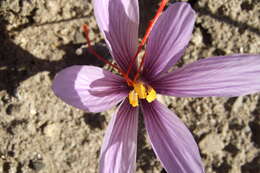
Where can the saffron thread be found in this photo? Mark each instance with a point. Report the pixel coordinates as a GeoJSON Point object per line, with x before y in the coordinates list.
{"type": "Point", "coordinates": [147, 33]}
{"type": "Point", "coordinates": [92, 51]}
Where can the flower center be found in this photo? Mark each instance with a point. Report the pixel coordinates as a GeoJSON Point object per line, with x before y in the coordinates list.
{"type": "Point", "coordinates": [141, 91]}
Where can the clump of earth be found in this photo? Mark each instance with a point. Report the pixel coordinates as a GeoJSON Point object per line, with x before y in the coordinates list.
{"type": "Point", "coordinates": [40, 133]}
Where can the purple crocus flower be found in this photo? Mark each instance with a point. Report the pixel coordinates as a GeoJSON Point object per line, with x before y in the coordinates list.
{"type": "Point", "coordinates": [94, 89]}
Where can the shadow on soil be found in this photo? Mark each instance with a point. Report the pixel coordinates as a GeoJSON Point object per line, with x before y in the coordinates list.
{"type": "Point", "coordinates": [17, 64]}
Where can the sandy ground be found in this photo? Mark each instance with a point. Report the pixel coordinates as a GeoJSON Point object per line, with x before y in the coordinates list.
{"type": "Point", "coordinates": [40, 133]}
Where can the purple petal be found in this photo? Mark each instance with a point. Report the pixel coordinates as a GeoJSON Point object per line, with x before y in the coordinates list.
{"type": "Point", "coordinates": [171, 140]}
{"type": "Point", "coordinates": [119, 20]}
{"type": "Point", "coordinates": [230, 76]}
{"type": "Point", "coordinates": [89, 88]}
{"type": "Point", "coordinates": [118, 152]}
{"type": "Point", "coordinates": [168, 39]}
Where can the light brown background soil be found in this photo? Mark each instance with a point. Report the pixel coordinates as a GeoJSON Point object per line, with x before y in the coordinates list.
{"type": "Point", "coordinates": [40, 133]}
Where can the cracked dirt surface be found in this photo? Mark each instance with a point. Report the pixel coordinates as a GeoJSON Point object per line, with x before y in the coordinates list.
{"type": "Point", "coordinates": [40, 133]}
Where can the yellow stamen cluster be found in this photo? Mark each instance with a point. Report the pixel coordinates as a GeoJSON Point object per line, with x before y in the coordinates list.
{"type": "Point", "coordinates": [141, 91]}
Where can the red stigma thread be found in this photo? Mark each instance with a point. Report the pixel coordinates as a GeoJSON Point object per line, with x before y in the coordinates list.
{"type": "Point", "coordinates": [92, 51]}
{"type": "Point", "coordinates": [147, 33]}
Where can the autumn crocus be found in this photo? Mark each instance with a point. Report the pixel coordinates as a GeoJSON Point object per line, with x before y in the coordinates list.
{"type": "Point", "coordinates": [137, 85]}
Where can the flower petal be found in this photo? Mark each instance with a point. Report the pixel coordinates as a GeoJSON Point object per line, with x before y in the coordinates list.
{"type": "Point", "coordinates": [89, 88]}
{"type": "Point", "coordinates": [171, 140]}
{"type": "Point", "coordinates": [119, 20]}
{"type": "Point", "coordinates": [168, 39]}
{"type": "Point", "coordinates": [230, 76]}
{"type": "Point", "coordinates": [118, 152]}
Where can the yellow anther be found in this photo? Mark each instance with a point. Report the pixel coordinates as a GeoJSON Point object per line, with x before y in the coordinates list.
{"type": "Point", "coordinates": [140, 90]}
{"type": "Point", "coordinates": [133, 98]}
{"type": "Point", "coordinates": [151, 94]}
